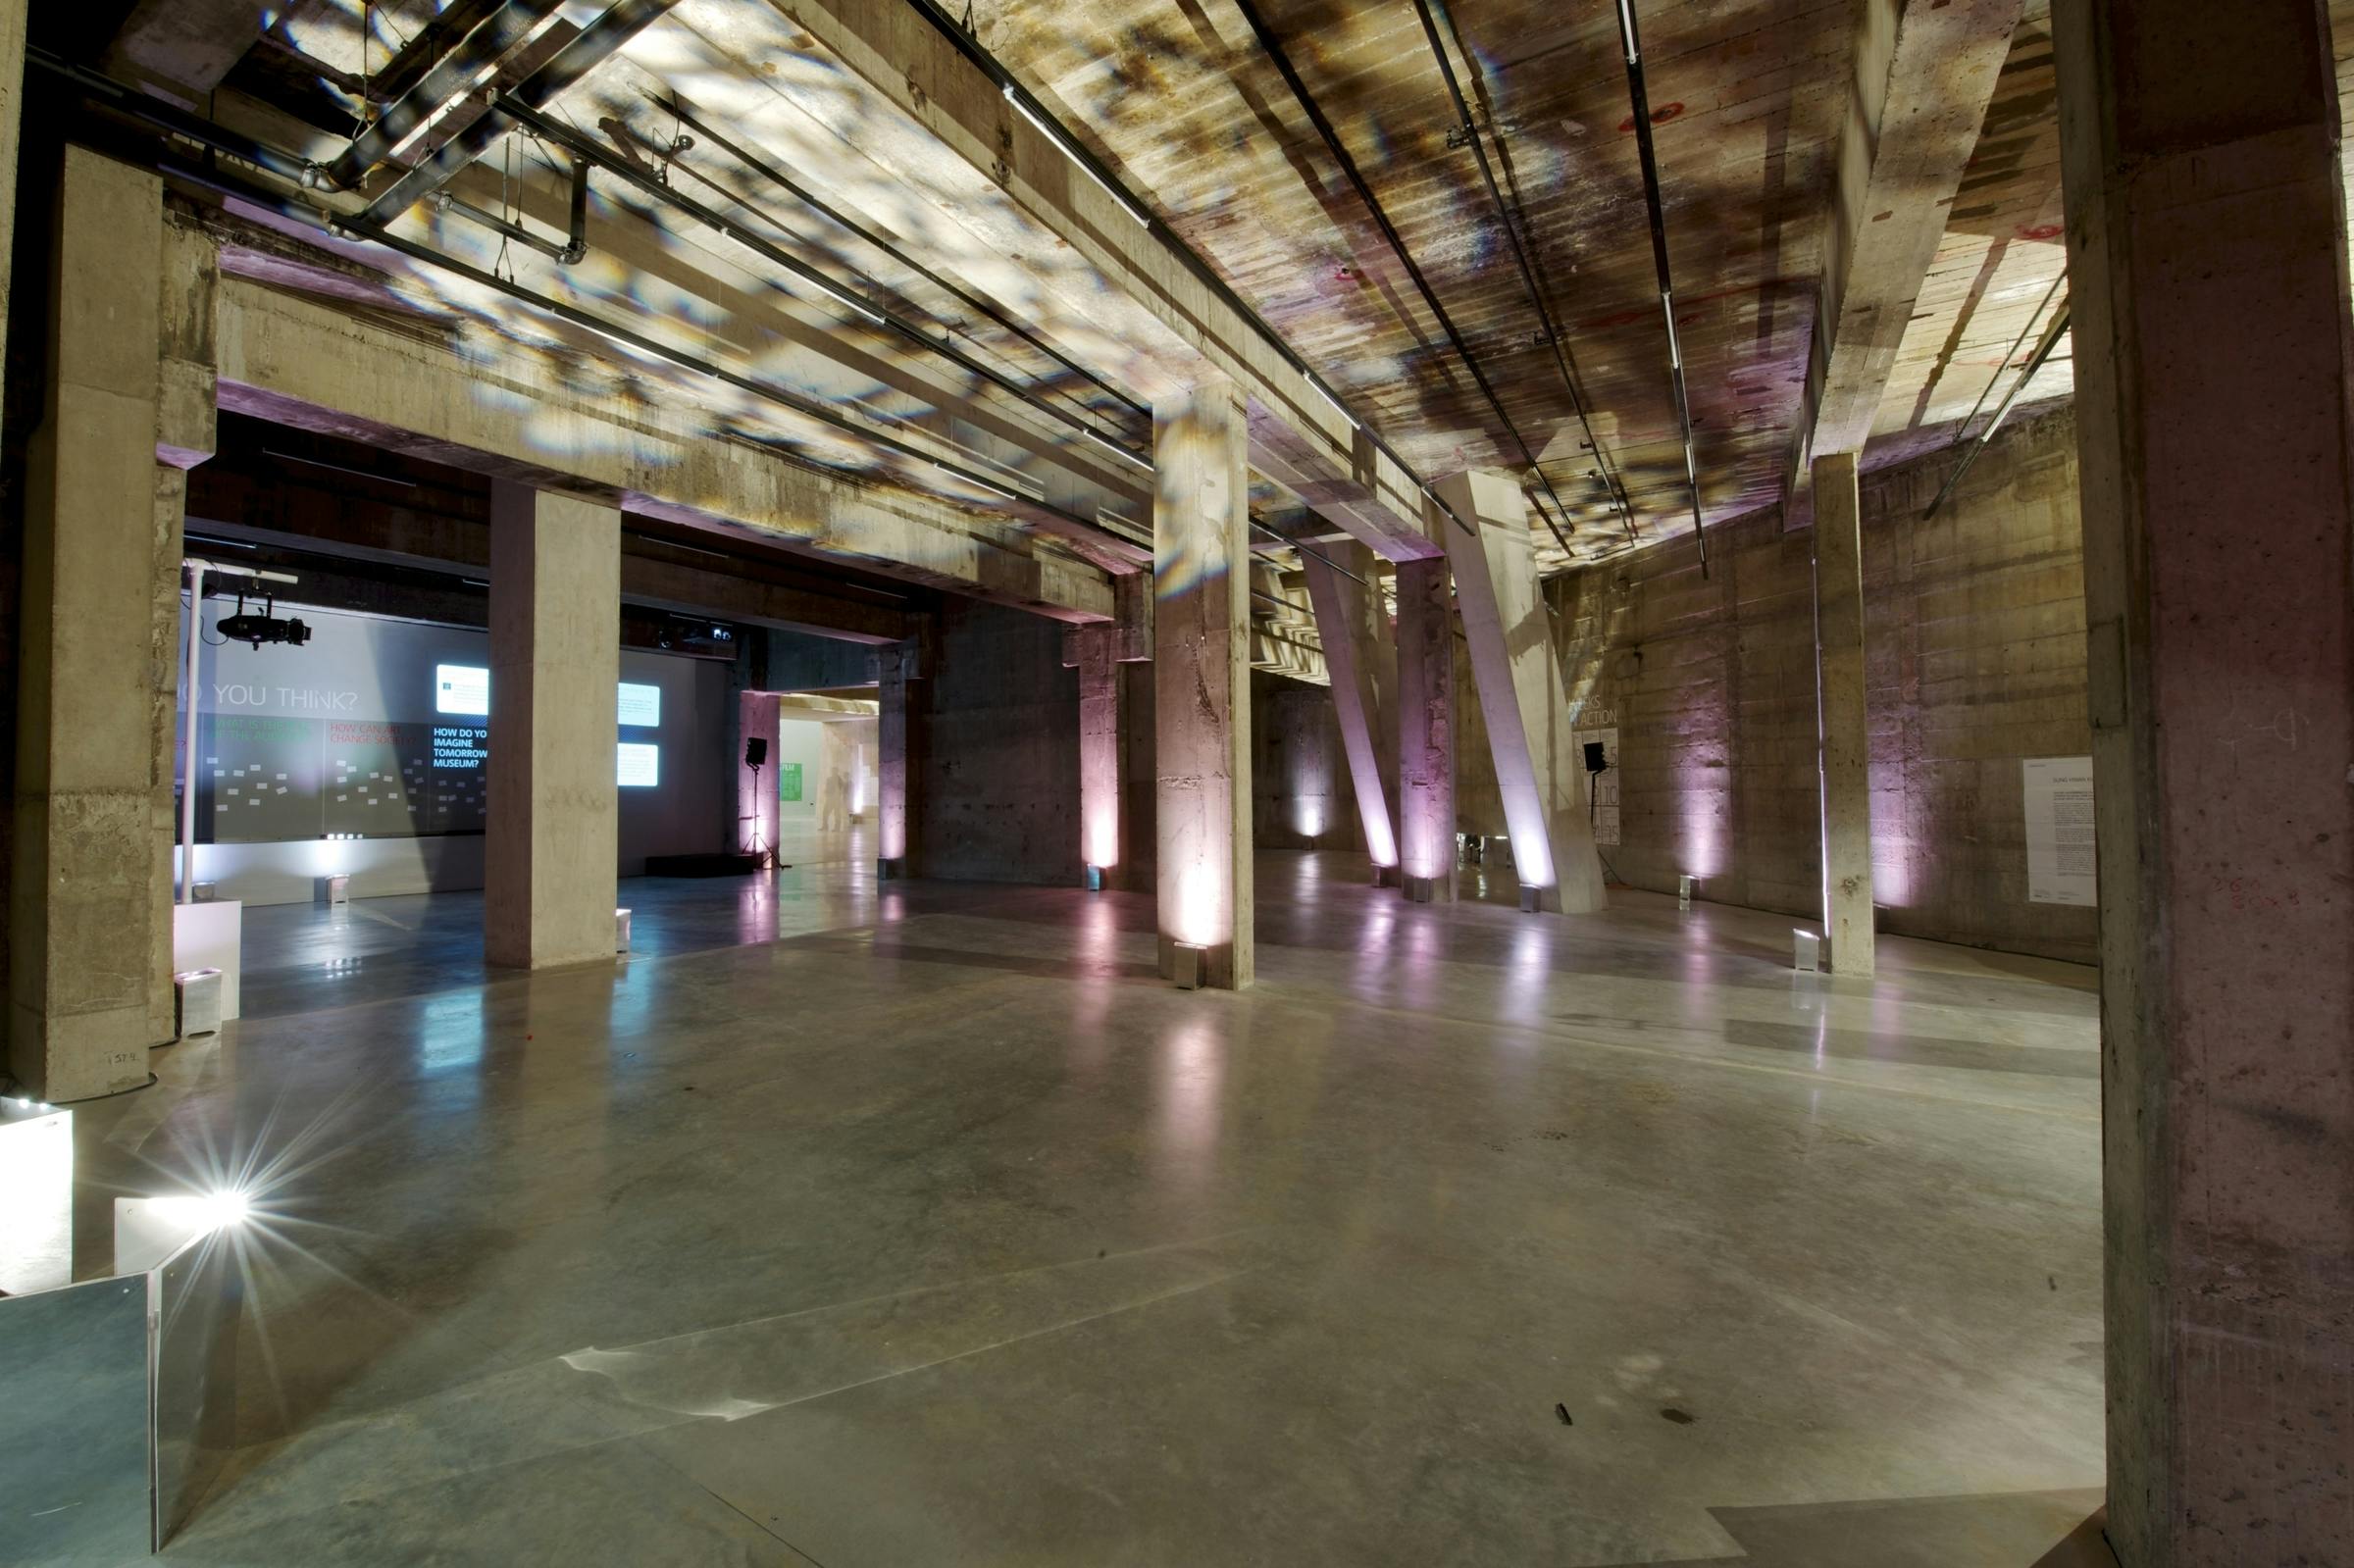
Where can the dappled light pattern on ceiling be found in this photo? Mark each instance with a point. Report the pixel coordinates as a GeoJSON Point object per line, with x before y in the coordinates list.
{"type": "Point", "coordinates": [1746, 96]}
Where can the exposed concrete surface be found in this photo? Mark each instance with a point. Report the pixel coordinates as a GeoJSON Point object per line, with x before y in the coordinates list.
{"type": "Point", "coordinates": [998, 785]}
{"type": "Point", "coordinates": [1302, 793]}
{"type": "Point", "coordinates": [1973, 656]}
{"type": "Point", "coordinates": [548, 855]}
{"type": "Point", "coordinates": [90, 927]}
{"type": "Point", "coordinates": [1426, 729]}
{"type": "Point", "coordinates": [1201, 680]}
{"type": "Point", "coordinates": [1354, 629]}
{"type": "Point", "coordinates": [1842, 717]}
{"type": "Point", "coordinates": [941, 1231]}
{"type": "Point", "coordinates": [2206, 252]}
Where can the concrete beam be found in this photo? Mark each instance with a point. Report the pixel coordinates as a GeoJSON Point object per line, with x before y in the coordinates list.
{"type": "Point", "coordinates": [1202, 684]}
{"type": "Point", "coordinates": [1296, 437]}
{"type": "Point", "coordinates": [310, 365]}
{"type": "Point", "coordinates": [549, 854]}
{"type": "Point", "coordinates": [181, 49]}
{"type": "Point", "coordinates": [1924, 72]}
{"type": "Point", "coordinates": [1354, 628]}
{"type": "Point", "coordinates": [2201, 157]}
{"type": "Point", "coordinates": [1843, 721]}
{"type": "Point", "coordinates": [1522, 695]}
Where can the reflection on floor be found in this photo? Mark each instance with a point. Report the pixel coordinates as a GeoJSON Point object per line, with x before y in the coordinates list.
{"type": "Point", "coordinates": [921, 1224]}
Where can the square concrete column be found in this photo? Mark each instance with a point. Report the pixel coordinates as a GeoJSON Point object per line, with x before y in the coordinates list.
{"type": "Point", "coordinates": [896, 668]}
{"type": "Point", "coordinates": [1522, 695]}
{"type": "Point", "coordinates": [1426, 731]}
{"type": "Point", "coordinates": [1354, 628]}
{"type": "Point", "coordinates": [90, 891]}
{"type": "Point", "coordinates": [1202, 680]}
{"type": "Point", "coordinates": [2208, 274]}
{"type": "Point", "coordinates": [1103, 834]}
{"type": "Point", "coordinates": [555, 657]}
{"type": "Point", "coordinates": [1842, 724]}
{"type": "Point", "coordinates": [758, 810]}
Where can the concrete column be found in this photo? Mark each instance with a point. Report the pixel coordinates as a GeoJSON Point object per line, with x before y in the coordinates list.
{"type": "Point", "coordinates": [1102, 837]}
{"type": "Point", "coordinates": [2208, 274]}
{"type": "Point", "coordinates": [1202, 680]}
{"type": "Point", "coordinates": [1354, 628]}
{"type": "Point", "coordinates": [555, 655]}
{"type": "Point", "coordinates": [1426, 731]}
{"type": "Point", "coordinates": [894, 668]}
{"type": "Point", "coordinates": [1842, 724]}
{"type": "Point", "coordinates": [758, 812]}
{"type": "Point", "coordinates": [1521, 696]}
{"type": "Point", "coordinates": [90, 918]}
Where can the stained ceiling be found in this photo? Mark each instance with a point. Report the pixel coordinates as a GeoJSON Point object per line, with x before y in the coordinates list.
{"type": "Point", "coordinates": [734, 104]}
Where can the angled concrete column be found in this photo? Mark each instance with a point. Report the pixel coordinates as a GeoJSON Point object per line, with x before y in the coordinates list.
{"type": "Point", "coordinates": [759, 811]}
{"type": "Point", "coordinates": [1202, 680]}
{"type": "Point", "coordinates": [1842, 724]}
{"type": "Point", "coordinates": [1354, 628]}
{"type": "Point", "coordinates": [2207, 265]}
{"type": "Point", "coordinates": [1518, 676]}
{"type": "Point", "coordinates": [1426, 731]}
{"type": "Point", "coordinates": [895, 669]}
{"type": "Point", "coordinates": [555, 655]}
{"type": "Point", "coordinates": [90, 917]}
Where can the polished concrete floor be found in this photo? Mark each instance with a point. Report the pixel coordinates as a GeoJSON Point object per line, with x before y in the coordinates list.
{"type": "Point", "coordinates": [921, 1224]}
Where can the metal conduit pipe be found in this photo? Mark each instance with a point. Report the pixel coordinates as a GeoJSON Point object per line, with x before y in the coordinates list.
{"type": "Point", "coordinates": [159, 115]}
{"type": "Point", "coordinates": [1204, 275]}
{"type": "Point", "coordinates": [588, 49]}
{"type": "Point", "coordinates": [2044, 351]}
{"type": "Point", "coordinates": [784, 182]}
{"type": "Point", "coordinates": [1636, 91]}
{"type": "Point", "coordinates": [549, 128]}
{"type": "Point", "coordinates": [1553, 336]}
{"type": "Point", "coordinates": [576, 244]}
{"type": "Point", "coordinates": [1389, 232]}
{"type": "Point", "coordinates": [459, 72]}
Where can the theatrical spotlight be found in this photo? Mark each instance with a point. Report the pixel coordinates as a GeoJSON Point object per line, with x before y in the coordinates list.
{"type": "Point", "coordinates": [256, 629]}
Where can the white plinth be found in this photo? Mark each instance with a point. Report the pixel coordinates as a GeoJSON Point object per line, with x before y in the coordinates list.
{"type": "Point", "coordinates": [211, 936]}
{"type": "Point", "coordinates": [37, 1197]}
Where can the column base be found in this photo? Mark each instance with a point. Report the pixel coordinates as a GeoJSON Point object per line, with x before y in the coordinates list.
{"type": "Point", "coordinates": [1094, 878]}
{"type": "Point", "coordinates": [1385, 876]}
{"type": "Point", "coordinates": [892, 870]}
{"type": "Point", "coordinates": [1196, 966]}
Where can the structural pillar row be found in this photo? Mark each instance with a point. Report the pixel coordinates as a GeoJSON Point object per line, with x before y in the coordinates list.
{"type": "Point", "coordinates": [555, 658]}
{"type": "Point", "coordinates": [1426, 731]}
{"type": "Point", "coordinates": [1202, 682]}
{"type": "Point", "coordinates": [1843, 725]}
{"type": "Point", "coordinates": [1522, 695]}
{"type": "Point", "coordinates": [126, 406]}
{"type": "Point", "coordinates": [1353, 631]}
{"type": "Point", "coordinates": [2207, 268]}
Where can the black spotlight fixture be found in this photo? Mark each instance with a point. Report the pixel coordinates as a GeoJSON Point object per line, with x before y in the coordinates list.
{"type": "Point", "coordinates": [256, 629]}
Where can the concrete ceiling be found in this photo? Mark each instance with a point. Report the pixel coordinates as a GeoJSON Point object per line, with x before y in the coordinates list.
{"type": "Point", "coordinates": [1181, 101]}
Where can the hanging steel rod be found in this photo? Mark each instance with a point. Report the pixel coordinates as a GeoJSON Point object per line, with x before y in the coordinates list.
{"type": "Point", "coordinates": [1633, 44]}
{"type": "Point", "coordinates": [1553, 336]}
{"type": "Point", "coordinates": [1389, 232]}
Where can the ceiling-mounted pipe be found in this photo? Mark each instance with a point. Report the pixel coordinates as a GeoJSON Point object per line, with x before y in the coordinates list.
{"type": "Point", "coordinates": [1389, 232]}
{"type": "Point", "coordinates": [590, 48]}
{"type": "Point", "coordinates": [1632, 42]}
{"type": "Point", "coordinates": [1553, 336]}
{"type": "Point", "coordinates": [1203, 275]}
{"type": "Point", "coordinates": [575, 245]}
{"type": "Point", "coordinates": [786, 183]}
{"type": "Point", "coordinates": [2044, 351]}
{"type": "Point", "coordinates": [468, 64]}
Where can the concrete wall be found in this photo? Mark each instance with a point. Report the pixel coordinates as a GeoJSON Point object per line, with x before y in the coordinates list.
{"type": "Point", "coordinates": [1974, 658]}
{"type": "Point", "coordinates": [1300, 793]}
{"type": "Point", "coordinates": [995, 732]}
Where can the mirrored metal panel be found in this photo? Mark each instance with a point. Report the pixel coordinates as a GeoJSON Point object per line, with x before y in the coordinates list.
{"type": "Point", "coordinates": [200, 1297]}
{"type": "Point", "coordinates": [74, 1433]}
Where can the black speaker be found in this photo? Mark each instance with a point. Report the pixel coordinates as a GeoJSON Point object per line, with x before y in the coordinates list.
{"type": "Point", "coordinates": [1596, 761]}
{"type": "Point", "coordinates": [755, 752]}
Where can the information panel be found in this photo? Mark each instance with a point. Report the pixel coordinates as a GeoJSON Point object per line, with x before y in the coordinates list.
{"type": "Point", "coordinates": [1603, 804]}
{"type": "Point", "coordinates": [2060, 866]}
{"type": "Point", "coordinates": [641, 705]}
